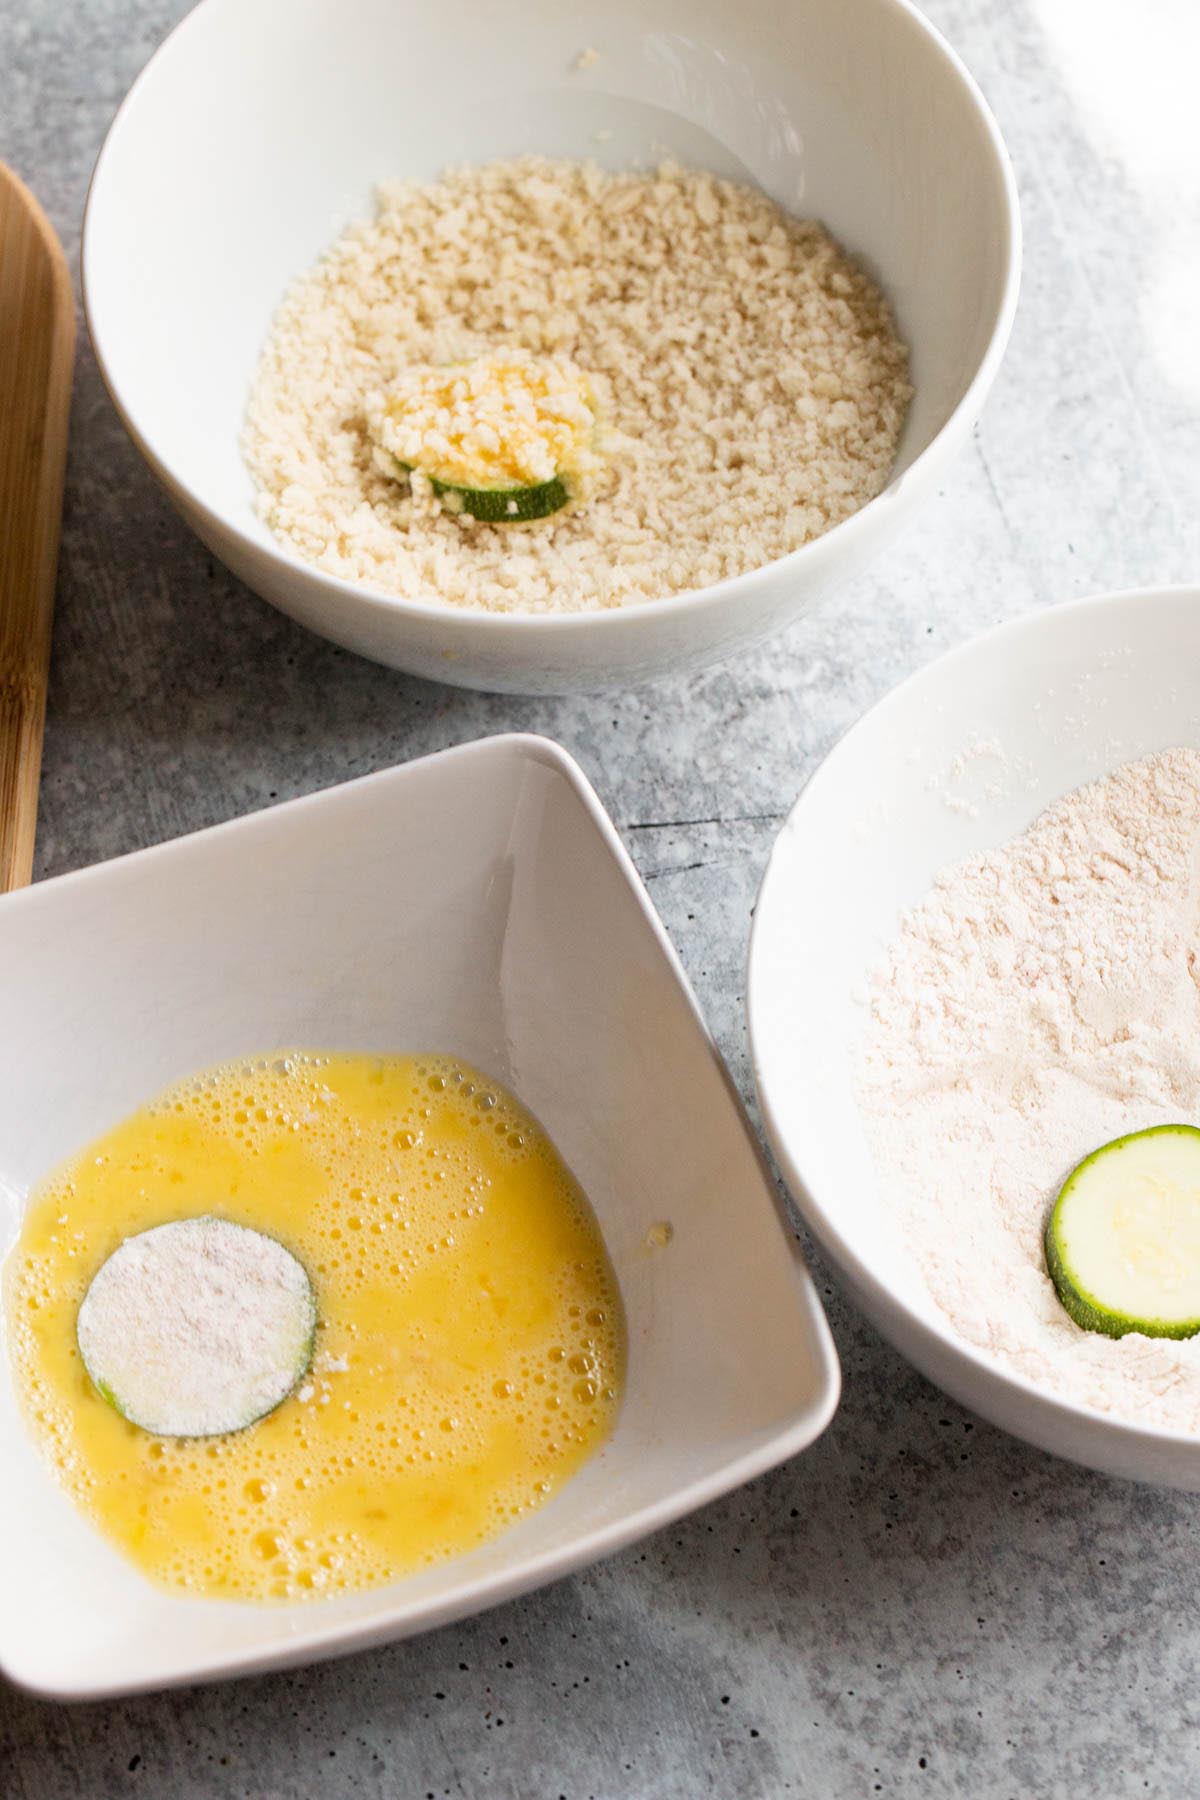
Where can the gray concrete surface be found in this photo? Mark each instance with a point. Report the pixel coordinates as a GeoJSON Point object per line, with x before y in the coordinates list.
{"type": "Point", "coordinates": [919, 1606]}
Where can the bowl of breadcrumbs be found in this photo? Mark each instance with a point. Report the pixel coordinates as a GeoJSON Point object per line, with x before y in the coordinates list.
{"type": "Point", "coordinates": [554, 357]}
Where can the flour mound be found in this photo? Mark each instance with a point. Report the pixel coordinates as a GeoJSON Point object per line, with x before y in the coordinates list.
{"type": "Point", "coordinates": [1040, 1001]}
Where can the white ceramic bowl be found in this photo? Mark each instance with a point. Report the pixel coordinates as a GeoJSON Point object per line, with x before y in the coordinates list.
{"type": "Point", "coordinates": [1068, 695]}
{"type": "Point", "coordinates": [477, 902]}
{"type": "Point", "coordinates": [261, 127]}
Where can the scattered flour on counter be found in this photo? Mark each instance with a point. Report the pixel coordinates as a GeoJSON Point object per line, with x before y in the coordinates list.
{"type": "Point", "coordinates": [1041, 1000]}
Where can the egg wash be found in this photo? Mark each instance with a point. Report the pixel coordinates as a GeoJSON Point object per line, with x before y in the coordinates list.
{"type": "Point", "coordinates": [469, 1346]}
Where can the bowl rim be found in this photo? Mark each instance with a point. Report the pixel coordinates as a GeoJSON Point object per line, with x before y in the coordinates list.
{"type": "Point", "coordinates": [394, 1617]}
{"type": "Point", "coordinates": [930, 1332]}
{"type": "Point", "coordinates": [610, 618]}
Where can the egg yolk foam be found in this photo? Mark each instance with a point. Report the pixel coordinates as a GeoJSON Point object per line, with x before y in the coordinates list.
{"type": "Point", "coordinates": [470, 1344]}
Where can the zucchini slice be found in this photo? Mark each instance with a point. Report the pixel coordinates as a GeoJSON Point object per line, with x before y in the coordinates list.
{"type": "Point", "coordinates": [503, 505]}
{"type": "Point", "coordinates": [197, 1328]}
{"type": "Point", "coordinates": [1123, 1238]}
{"type": "Point", "coordinates": [506, 438]}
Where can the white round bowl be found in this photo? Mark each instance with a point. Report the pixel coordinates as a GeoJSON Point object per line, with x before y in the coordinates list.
{"type": "Point", "coordinates": [261, 127]}
{"type": "Point", "coordinates": [1067, 696]}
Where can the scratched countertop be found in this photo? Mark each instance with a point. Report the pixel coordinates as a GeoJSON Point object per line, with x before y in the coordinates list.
{"type": "Point", "coordinates": [918, 1606]}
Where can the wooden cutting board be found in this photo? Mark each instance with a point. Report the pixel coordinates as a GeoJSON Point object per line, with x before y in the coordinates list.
{"type": "Point", "coordinates": [37, 343]}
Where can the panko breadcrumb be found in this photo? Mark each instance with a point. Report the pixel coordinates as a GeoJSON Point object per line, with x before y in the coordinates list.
{"type": "Point", "coordinates": [748, 373]}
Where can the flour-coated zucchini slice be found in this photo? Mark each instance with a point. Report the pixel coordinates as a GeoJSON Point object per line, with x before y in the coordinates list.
{"type": "Point", "coordinates": [197, 1327]}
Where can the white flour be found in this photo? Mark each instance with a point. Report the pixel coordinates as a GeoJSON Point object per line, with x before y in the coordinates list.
{"type": "Point", "coordinates": [1041, 1000]}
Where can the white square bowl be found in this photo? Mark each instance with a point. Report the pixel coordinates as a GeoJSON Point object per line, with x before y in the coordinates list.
{"type": "Point", "coordinates": [478, 902]}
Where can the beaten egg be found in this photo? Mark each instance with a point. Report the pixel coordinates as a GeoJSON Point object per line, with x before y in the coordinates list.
{"type": "Point", "coordinates": [469, 1348]}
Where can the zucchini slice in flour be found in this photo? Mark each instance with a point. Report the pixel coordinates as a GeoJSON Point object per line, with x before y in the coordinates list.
{"type": "Point", "coordinates": [1123, 1240]}
{"type": "Point", "coordinates": [198, 1327]}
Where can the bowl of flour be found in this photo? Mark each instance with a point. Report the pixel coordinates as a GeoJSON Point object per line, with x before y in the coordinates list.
{"type": "Point", "coordinates": [997, 972]}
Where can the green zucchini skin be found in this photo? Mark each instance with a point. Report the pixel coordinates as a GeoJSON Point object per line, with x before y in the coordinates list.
{"type": "Point", "coordinates": [1089, 1312]}
{"type": "Point", "coordinates": [491, 506]}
